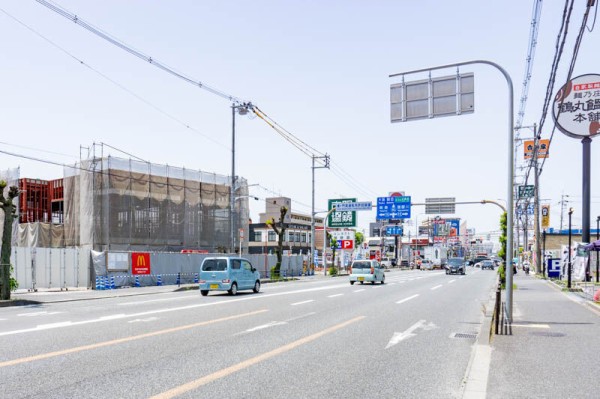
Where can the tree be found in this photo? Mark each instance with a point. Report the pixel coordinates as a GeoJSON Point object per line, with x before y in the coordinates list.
{"type": "Point", "coordinates": [279, 228]}
{"type": "Point", "coordinates": [503, 226]}
{"type": "Point", "coordinates": [10, 211]}
{"type": "Point", "coordinates": [359, 238]}
{"type": "Point", "coordinates": [334, 245]}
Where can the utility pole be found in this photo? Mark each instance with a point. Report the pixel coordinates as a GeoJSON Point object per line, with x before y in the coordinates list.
{"type": "Point", "coordinates": [536, 201]}
{"type": "Point", "coordinates": [562, 208]}
{"type": "Point", "coordinates": [325, 160]}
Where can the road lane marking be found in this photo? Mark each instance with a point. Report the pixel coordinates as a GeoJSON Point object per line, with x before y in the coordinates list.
{"type": "Point", "coordinates": [302, 303]}
{"type": "Point", "coordinates": [407, 299]}
{"type": "Point", "coordinates": [334, 295]}
{"type": "Point", "coordinates": [273, 324]}
{"type": "Point", "coordinates": [436, 287]}
{"type": "Point", "coordinates": [156, 300]}
{"type": "Point", "coordinates": [399, 337]}
{"type": "Point", "coordinates": [362, 289]}
{"type": "Point", "coordinates": [123, 340]}
{"type": "Point", "coordinates": [33, 314]}
{"type": "Point", "coordinates": [451, 281]}
{"type": "Point", "coordinates": [531, 325]}
{"type": "Point", "coordinates": [175, 309]}
{"type": "Point", "coordinates": [147, 319]}
{"type": "Point", "coordinates": [180, 390]}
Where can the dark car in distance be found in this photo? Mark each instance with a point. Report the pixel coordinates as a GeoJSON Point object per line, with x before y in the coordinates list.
{"type": "Point", "coordinates": [455, 266]}
{"type": "Point", "coordinates": [487, 264]}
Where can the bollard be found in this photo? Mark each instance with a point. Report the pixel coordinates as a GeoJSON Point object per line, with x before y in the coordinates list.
{"type": "Point", "coordinates": [178, 279]}
{"type": "Point", "coordinates": [99, 285]}
{"type": "Point", "coordinates": [106, 283]}
{"type": "Point", "coordinates": [159, 280]}
{"type": "Point", "coordinates": [196, 280]}
{"type": "Point", "coordinates": [137, 281]}
{"type": "Point", "coordinates": [112, 282]}
{"type": "Point", "coordinates": [497, 310]}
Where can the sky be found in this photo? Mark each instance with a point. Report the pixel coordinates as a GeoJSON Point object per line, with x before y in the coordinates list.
{"type": "Point", "coordinates": [320, 69]}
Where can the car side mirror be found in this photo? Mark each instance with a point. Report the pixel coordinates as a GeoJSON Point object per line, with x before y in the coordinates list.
{"type": "Point", "coordinates": [252, 269]}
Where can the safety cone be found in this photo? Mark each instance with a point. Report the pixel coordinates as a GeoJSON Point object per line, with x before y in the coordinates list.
{"type": "Point", "coordinates": [159, 280]}
{"type": "Point", "coordinates": [99, 285]}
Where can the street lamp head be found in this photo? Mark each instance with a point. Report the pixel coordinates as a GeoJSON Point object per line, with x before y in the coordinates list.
{"type": "Point", "coordinates": [570, 211]}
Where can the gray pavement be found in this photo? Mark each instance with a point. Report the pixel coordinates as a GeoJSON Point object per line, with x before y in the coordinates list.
{"type": "Point", "coordinates": [554, 351]}
{"type": "Point", "coordinates": [23, 297]}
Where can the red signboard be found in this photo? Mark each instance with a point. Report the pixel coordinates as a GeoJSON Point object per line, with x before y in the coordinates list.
{"type": "Point", "coordinates": [346, 244]}
{"type": "Point", "coordinates": [140, 263]}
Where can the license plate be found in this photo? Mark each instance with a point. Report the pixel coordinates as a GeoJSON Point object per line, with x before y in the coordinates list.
{"type": "Point", "coordinates": [214, 286]}
{"type": "Point", "coordinates": [361, 279]}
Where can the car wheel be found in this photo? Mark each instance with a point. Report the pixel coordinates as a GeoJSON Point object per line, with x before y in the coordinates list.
{"type": "Point", "coordinates": [256, 288]}
{"type": "Point", "coordinates": [351, 282]}
{"type": "Point", "coordinates": [233, 290]}
{"type": "Point", "coordinates": [373, 282]}
{"type": "Point", "coordinates": [383, 280]}
{"type": "Point", "coordinates": [204, 292]}
{"type": "Point", "coordinates": [362, 282]}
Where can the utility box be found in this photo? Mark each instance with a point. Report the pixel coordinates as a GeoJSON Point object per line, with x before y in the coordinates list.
{"type": "Point", "coordinates": [553, 267]}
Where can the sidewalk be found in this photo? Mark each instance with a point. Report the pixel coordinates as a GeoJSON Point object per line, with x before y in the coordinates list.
{"type": "Point", "coordinates": [554, 351]}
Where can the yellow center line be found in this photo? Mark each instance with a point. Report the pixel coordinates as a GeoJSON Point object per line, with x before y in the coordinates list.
{"type": "Point", "coordinates": [123, 340]}
{"type": "Point", "coordinates": [250, 362]}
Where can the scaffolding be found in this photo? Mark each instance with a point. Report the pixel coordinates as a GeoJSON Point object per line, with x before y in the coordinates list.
{"type": "Point", "coordinates": [123, 204]}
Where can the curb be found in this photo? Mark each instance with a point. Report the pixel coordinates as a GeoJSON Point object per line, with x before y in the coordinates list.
{"type": "Point", "coordinates": [476, 376]}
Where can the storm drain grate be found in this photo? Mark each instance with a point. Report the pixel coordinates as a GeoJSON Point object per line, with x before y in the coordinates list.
{"type": "Point", "coordinates": [464, 335]}
{"type": "Point", "coordinates": [546, 334]}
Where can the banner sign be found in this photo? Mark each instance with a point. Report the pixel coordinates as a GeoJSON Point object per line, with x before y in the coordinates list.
{"type": "Point", "coordinates": [140, 263]}
{"type": "Point", "coordinates": [576, 109]}
{"type": "Point", "coordinates": [545, 216]}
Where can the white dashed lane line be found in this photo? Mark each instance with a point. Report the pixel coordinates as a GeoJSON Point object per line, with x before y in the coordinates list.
{"type": "Point", "coordinates": [333, 296]}
{"type": "Point", "coordinates": [407, 299]}
{"type": "Point", "coordinates": [302, 303]}
{"type": "Point", "coordinates": [436, 287]}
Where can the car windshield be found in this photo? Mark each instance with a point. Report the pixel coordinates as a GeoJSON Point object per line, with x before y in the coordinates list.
{"type": "Point", "coordinates": [487, 262]}
{"type": "Point", "coordinates": [361, 265]}
{"type": "Point", "coordinates": [455, 262]}
{"type": "Point", "coordinates": [214, 265]}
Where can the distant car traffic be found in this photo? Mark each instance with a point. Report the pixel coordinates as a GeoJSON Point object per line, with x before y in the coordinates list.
{"type": "Point", "coordinates": [487, 264]}
{"type": "Point", "coordinates": [387, 262]}
{"type": "Point", "coordinates": [366, 271]}
{"type": "Point", "coordinates": [455, 266]}
{"type": "Point", "coordinates": [426, 264]}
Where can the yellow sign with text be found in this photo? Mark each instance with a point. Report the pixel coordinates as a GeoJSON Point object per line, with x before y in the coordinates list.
{"type": "Point", "coordinates": [545, 216]}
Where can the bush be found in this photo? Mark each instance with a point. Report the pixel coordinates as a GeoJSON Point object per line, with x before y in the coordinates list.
{"type": "Point", "coordinates": [333, 271]}
{"type": "Point", "coordinates": [275, 273]}
{"type": "Point", "coordinates": [13, 282]}
{"type": "Point", "coordinates": [502, 274]}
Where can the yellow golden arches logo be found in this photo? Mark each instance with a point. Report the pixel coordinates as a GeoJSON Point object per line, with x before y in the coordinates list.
{"type": "Point", "coordinates": [141, 260]}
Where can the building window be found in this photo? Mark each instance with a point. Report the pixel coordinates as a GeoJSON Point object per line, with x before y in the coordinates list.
{"type": "Point", "coordinates": [290, 236]}
{"type": "Point", "coordinates": [258, 236]}
{"type": "Point", "coordinates": [271, 236]}
{"type": "Point", "coordinates": [303, 238]}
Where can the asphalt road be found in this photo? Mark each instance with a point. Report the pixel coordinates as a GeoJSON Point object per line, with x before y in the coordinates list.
{"type": "Point", "coordinates": [308, 339]}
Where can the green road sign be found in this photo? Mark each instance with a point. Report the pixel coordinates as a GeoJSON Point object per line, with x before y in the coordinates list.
{"type": "Point", "coordinates": [341, 218]}
{"type": "Point", "coordinates": [526, 191]}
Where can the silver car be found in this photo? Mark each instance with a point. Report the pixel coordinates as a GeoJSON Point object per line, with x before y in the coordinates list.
{"type": "Point", "coordinates": [366, 271]}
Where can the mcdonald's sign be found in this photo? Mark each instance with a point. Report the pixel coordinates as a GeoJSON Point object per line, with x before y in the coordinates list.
{"type": "Point", "coordinates": [140, 263]}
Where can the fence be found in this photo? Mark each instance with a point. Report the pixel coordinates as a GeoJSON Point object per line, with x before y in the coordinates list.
{"type": "Point", "coordinates": [64, 268]}
{"type": "Point", "coordinates": [49, 268]}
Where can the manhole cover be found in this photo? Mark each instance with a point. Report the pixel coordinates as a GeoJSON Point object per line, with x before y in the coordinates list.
{"type": "Point", "coordinates": [546, 334]}
{"type": "Point", "coordinates": [464, 335]}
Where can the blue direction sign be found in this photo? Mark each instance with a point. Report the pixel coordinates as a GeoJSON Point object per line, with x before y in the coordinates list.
{"type": "Point", "coordinates": [393, 207]}
{"type": "Point", "coordinates": [353, 206]}
{"type": "Point", "coordinates": [393, 230]}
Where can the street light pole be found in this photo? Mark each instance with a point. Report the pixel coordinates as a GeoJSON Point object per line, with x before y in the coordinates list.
{"type": "Point", "coordinates": [597, 254]}
{"type": "Point", "coordinates": [325, 158]}
{"type": "Point", "coordinates": [243, 110]}
{"type": "Point", "coordinates": [569, 264]}
{"type": "Point", "coordinates": [510, 177]}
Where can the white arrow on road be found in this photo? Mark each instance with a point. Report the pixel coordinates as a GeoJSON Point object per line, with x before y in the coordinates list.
{"type": "Point", "coordinates": [398, 337]}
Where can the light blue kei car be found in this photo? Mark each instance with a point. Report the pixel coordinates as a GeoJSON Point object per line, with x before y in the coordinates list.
{"type": "Point", "coordinates": [229, 274]}
{"type": "Point", "coordinates": [366, 271]}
